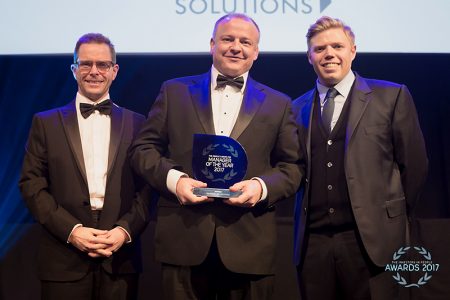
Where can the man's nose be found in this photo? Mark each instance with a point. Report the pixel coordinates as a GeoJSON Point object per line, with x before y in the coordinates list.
{"type": "Point", "coordinates": [236, 45]}
{"type": "Point", "coordinates": [329, 51]}
{"type": "Point", "coordinates": [94, 69]}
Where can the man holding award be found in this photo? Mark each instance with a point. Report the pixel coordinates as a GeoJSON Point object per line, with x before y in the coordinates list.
{"type": "Point", "coordinates": [211, 245]}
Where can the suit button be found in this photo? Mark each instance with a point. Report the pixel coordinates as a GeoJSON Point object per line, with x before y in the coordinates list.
{"type": "Point", "coordinates": [331, 210]}
{"type": "Point", "coordinates": [329, 187]}
{"type": "Point", "coordinates": [329, 164]}
{"type": "Point", "coordinates": [304, 209]}
{"type": "Point", "coordinates": [330, 142]}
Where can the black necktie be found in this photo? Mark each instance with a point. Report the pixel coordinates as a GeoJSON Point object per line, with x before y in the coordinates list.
{"type": "Point", "coordinates": [104, 108]}
{"type": "Point", "coordinates": [222, 81]}
{"type": "Point", "coordinates": [328, 108]}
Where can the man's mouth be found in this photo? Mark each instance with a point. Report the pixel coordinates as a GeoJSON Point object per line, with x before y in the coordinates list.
{"type": "Point", "coordinates": [330, 64]}
{"type": "Point", "coordinates": [234, 57]}
{"type": "Point", "coordinates": [94, 82]}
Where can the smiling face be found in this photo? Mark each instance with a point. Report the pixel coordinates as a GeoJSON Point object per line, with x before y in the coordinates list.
{"type": "Point", "coordinates": [331, 53]}
{"type": "Point", "coordinates": [94, 83]}
{"type": "Point", "coordinates": [234, 46]}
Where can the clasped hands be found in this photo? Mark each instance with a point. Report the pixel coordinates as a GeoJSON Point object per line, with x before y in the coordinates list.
{"type": "Point", "coordinates": [96, 242]}
{"type": "Point", "coordinates": [251, 192]}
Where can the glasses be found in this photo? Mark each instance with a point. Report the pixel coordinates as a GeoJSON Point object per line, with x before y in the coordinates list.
{"type": "Point", "coordinates": [86, 65]}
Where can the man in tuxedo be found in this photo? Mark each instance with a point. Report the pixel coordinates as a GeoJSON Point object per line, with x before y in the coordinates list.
{"type": "Point", "coordinates": [366, 163]}
{"type": "Point", "coordinates": [219, 247]}
{"type": "Point", "coordinates": [78, 183]}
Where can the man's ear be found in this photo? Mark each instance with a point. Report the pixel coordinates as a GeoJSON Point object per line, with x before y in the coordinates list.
{"type": "Point", "coordinates": [353, 51]}
{"type": "Point", "coordinates": [309, 57]}
{"type": "Point", "coordinates": [211, 45]}
{"type": "Point", "coordinates": [115, 70]}
{"type": "Point", "coordinates": [256, 53]}
{"type": "Point", "coordinates": [73, 67]}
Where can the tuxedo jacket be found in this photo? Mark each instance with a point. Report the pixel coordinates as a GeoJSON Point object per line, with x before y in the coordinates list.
{"type": "Point", "coordinates": [265, 127]}
{"type": "Point", "coordinates": [54, 186]}
{"type": "Point", "coordinates": [385, 164]}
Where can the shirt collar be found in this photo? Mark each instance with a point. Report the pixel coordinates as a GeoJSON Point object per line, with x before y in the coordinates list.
{"type": "Point", "coordinates": [215, 72]}
{"type": "Point", "coordinates": [82, 99]}
{"type": "Point", "coordinates": [343, 87]}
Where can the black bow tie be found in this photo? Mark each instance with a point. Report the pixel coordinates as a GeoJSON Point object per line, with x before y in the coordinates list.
{"type": "Point", "coordinates": [222, 81]}
{"type": "Point", "coordinates": [103, 108]}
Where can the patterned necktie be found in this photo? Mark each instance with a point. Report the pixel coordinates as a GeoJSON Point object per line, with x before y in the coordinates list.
{"type": "Point", "coordinates": [328, 108]}
{"type": "Point", "coordinates": [222, 81]}
{"type": "Point", "coordinates": [104, 108]}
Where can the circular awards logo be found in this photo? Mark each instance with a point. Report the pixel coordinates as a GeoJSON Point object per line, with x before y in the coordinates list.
{"type": "Point", "coordinates": [219, 163]}
{"type": "Point", "coordinates": [423, 266]}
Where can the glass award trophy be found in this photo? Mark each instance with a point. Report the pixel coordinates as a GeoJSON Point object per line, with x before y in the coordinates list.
{"type": "Point", "coordinates": [220, 162]}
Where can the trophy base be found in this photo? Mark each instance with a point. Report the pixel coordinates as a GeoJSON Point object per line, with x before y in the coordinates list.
{"type": "Point", "coordinates": [215, 193]}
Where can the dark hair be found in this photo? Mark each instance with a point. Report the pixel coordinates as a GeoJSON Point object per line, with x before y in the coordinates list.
{"type": "Point", "coordinates": [94, 38]}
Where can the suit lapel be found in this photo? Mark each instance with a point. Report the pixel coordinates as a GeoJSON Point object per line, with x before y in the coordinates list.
{"type": "Point", "coordinates": [115, 137]}
{"type": "Point", "coordinates": [200, 93]}
{"type": "Point", "coordinates": [360, 97]}
{"type": "Point", "coordinates": [306, 118]}
{"type": "Point", "coordinates": [69, 120]}
{"type": "Point", "coordinates": [118, 121]}
{"type": "Point", "coordinates": [253, 98]}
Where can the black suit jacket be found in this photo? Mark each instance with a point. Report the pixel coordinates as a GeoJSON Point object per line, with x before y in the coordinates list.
{"type": "Point", "coordinates": [54, 185]}
{"type": "Point", "coordinates": [385, 164]}
{"type": "Point", "coordinates": [246, 237]}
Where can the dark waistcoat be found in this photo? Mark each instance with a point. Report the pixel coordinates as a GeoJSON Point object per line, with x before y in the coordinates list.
{"type": "Point", "coordinates": [330, 208]}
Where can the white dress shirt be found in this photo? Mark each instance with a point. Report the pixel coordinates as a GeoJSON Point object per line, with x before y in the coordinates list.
{"type": "Point", "coordinates": [226, 103]}
{"type": "Point", "coordinates": [95, 133]}
{"type": "Point", "coordinates": [343, 87]}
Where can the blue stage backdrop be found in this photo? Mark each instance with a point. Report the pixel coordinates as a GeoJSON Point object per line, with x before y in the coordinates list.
{"type": "Point", "coordinates": [32, 83]}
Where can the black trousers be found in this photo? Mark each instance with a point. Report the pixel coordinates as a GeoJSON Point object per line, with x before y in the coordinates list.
{"type": "Point", "coordinates": [211, 280]}
{"type": "Point", "coordinates": [336, 266]}
{"type": "Point", "coordinates": [96, 285]}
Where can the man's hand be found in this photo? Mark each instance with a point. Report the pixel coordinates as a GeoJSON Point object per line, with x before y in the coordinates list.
{"type": "Point", "coordinates": [89, 240]}
{"type": "Point", "coordinates": [251, 193]}
{"type": "Point", "coordinates": [184, 191]}
{"type": "Point", "coordinates": [116, 237]}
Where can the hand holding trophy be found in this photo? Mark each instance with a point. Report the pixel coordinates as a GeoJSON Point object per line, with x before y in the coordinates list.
{"type": "Point", "coordinates": [219, 161]}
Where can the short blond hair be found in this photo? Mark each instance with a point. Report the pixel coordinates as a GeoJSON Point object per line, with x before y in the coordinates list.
{"type": "Point", "coordinates": [325, 23]}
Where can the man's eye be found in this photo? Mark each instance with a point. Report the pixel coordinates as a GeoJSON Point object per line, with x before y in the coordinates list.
{"type": "Point", "coordinates": [102, 64]}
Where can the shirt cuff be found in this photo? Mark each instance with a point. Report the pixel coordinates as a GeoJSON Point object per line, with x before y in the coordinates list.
{"type": "Point", "coordinates": [172, 179]}
{"type": "Point", "coordinates": [264, 188]}
{"type": "Point", "coordinates": [126, 232]}
{"type": "Point", "coordinates": [74, 227]}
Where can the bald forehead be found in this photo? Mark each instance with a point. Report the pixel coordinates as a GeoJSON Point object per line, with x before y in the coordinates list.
{"type": "Point", "coordinates": [229, 19]}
